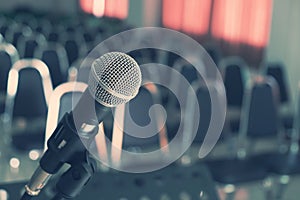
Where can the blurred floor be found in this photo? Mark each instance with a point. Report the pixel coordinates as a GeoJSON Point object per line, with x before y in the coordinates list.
{"type": "Point", "coordinates": [12, 171]}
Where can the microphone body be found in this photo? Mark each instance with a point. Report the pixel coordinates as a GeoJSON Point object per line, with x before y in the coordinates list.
{"type": "Point", "coordinates": [115, 78]}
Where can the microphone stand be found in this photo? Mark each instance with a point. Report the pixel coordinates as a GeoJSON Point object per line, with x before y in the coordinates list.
{"type": "Point", "coordinates": [75, 178]}
{"type": "Point", "coordinates": [66, 145]}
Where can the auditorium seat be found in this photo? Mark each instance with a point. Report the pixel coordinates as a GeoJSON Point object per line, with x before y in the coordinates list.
{"type": "Point", "coordinates": [74, 45]}
{"type": "Point", "coordinates": [8, 56]}
{"type": "Point", "coordinates": [17, 32]}
{"type": "Point", "coordinates": [286, 163]}
{"type": "Point", "coordinates": [28, 45]}
{"type": "Point", "coordinates": [63, 98]}
{"type": "Point", "coordinates": [29, 89]}
{"type": "Point", "coordinates": [150, 133]}
{"type": "Point", "coordinates": [259, 120]}
{"type": "Point", "coordinates": [235, 76]}
{"type": "Point", "coordinates": [189, 72]}
{"type": "Point", "coordinates": [3, 28]}
{"type": "Point", "coordinates": [53, 36]}
{"type": "Point", "coordinates": [55, 57]}
{"type": "Point", "coordinates": [43, 26]}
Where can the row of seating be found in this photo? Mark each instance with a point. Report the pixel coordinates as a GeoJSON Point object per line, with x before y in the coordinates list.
{"type": "Point", "coordinates": [255, 97]}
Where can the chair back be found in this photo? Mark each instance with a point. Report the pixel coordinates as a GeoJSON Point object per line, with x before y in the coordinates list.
{"type": "Point", "coordinates": [260, 117]}
{"type": "Point", "coordinates": [235, 76]}
{"type": "Point", "coordinates": [55, 56]}
{"type": "Point", "coordinates": [62, 100]}
{"type": "Point", "coordinates": [28, 91]}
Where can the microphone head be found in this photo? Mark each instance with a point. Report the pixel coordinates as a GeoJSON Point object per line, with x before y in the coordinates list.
{"type": "Point", "coordinates": [115, 78]}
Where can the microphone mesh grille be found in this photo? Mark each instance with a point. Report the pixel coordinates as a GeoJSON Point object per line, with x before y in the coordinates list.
{"type": "Point", "coordinates": [115, 79]}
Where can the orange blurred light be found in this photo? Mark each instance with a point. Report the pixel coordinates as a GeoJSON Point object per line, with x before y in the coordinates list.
{"type": "Point", "coordinates": [258, 30]}
{"type": "Point", "coordinates": [172, 13]}
{"type": "Point", "coordinates": [242, 21]}
{"type": "Point", "coordinates": [98, 8]}
{"type": "Point", "coordinates": [196, 16]}
{"type": "Point", "coordinates": [122, 7]}
{"type": "Point", "coordinates": [116, 8]}
{"type": "Point", "coordinates": [87, 5]}
{"type": "Point", "coordinates": [110, 8]}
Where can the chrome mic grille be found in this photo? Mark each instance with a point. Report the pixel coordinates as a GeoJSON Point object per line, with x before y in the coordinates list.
{"type": "Point", "coordinates": [115, 78]}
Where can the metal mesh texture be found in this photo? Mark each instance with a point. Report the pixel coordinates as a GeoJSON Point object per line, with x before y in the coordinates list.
{"type": "Point", "coordinates": [115, 78]}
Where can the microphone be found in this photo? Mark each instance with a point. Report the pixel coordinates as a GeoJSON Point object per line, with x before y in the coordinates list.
{"type": "Point", "coordinates": [115, 78]}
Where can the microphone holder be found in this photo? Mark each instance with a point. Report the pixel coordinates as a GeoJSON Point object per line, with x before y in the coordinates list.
{"type": "Point", "coordinates": [75, 178]}
{"type": "Point", "coordinates": [66, 146]}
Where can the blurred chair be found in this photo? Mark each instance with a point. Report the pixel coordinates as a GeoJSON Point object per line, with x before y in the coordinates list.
{"type": "Point", "coordinates": [204, 102]}
{"type": "Point", "coordinates": [17, 32]}
{"type": "Point", "coordinates": [277, 71]}
{"type": "Point", "coordinates": [28, 92]}
{"type": "Point", "coordinates": [55, 57]}
{"type": "Point", "coordinates": [137, 117]}
{"type": "Point", "coordinates": [28, 45]}
{"type": "Point", "coordinates": [43, 26]}
{"type": "Point", "coordinates": [235, 75]}
{"type": "Point", "coordinates": [26, 19]}
{"type": "Point", "coordinates": [8, 56]}
{"type": "Point", "coordinates": [260, 114]}
{"type": "Point", "coordinates": [188, 71]}
{"type": "Point", "coordinates": [4, 28]}
{"type": "Point", "coordinates": [63, 99]}
{"type": "Point", "coordinates": [259, 120]}
{"type": "Point", "coordinates": [287, 163]}
{"type": "Point", "coordinates": [53, 36]}
{"type": "Point", "coordinates": [74, 45]}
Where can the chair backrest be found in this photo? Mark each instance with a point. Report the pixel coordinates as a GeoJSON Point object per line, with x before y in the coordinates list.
{"type": "Point", "coordinates": [235, 74]}
{"type": "Point", "coordinates": [8, 56]}
{"type": "Point", "coordinates": [200, 114]}
{"type": "Point", "coordinates": [3, 28]}
{"type": "Point", "coordinates": [204, 100]}
{"type": "Point", "coordinates": [62, 100]}
{"type": "Point", "coordinates": [55, 57]}
{"type": "Point", "coordinates": [137, 120]}
{"type": "Point", "coordinates": [189, 72]}
{"type": "Point", "coordinates": [15, 33]}
{"type": "Point", "coordinates": [28, 91]}
{"type": "Point", "coordinates": [29, 45]}
{"type": "Point", "coordinates": [259, 117]}
{"type": "Point", "coordinates": [277, 71]}
{"type": "Point", "coordinates": [74, 45]}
